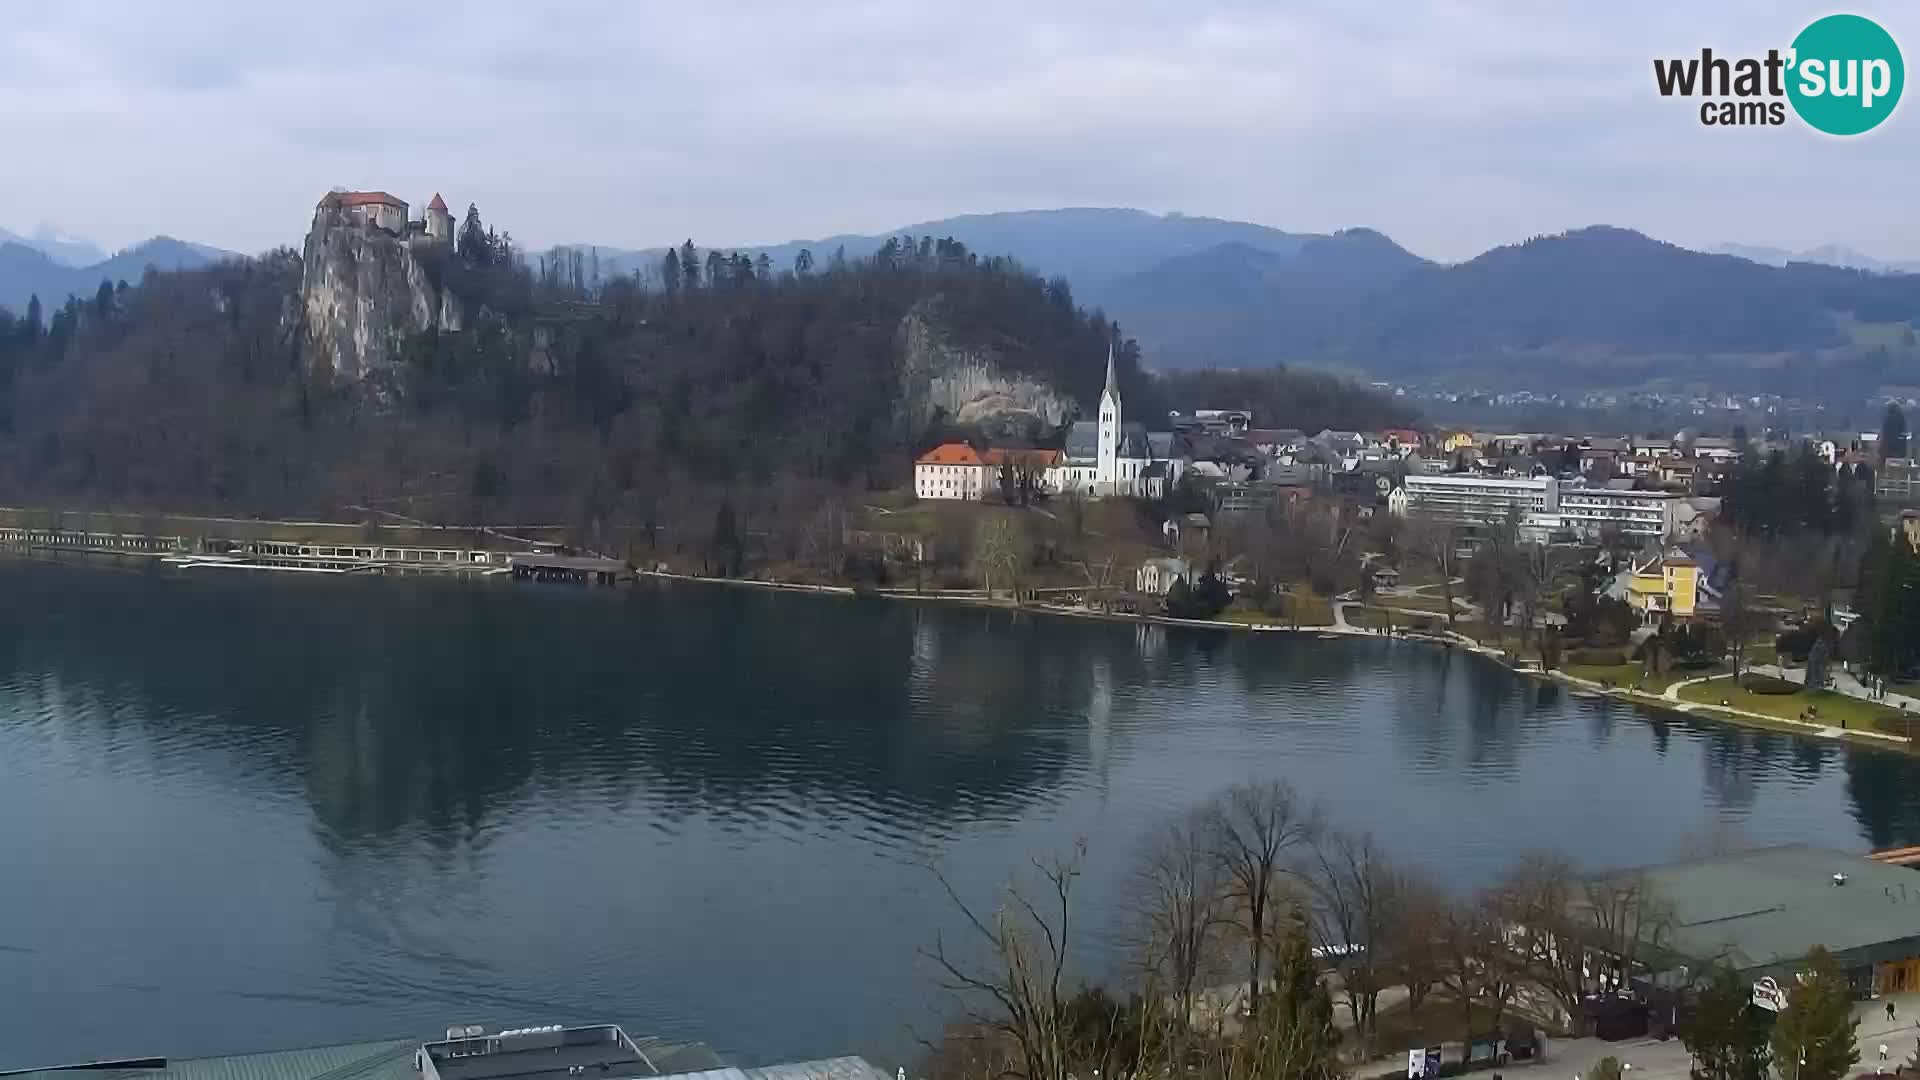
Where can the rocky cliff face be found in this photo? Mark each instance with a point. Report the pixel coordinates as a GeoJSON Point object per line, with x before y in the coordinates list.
{"type": "Point", "coordinates": [363, 291]}
{"type": "Point", "coordinates": [970, 389]}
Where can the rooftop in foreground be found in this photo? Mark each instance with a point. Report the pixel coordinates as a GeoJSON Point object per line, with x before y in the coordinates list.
{"type": "Point", "coordinates": [1767, 907]}
{"type": "Point", "coordinates": [566, 1054]}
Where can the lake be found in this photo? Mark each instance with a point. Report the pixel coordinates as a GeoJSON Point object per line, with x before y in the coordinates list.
{"type": "Point", "coordinates": [241, 811]}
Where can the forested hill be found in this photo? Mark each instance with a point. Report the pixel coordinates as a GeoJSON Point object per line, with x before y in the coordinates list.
{"type": "Point", "coordinates": [1596, 306]}
{"type": "Point", "coordinates": [27, 273]}
{"type": "Point", "coordinates": [191, 391]}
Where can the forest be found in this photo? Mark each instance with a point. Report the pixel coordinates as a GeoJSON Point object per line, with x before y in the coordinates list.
{"type": "Point", "coordinates": [639, 401]}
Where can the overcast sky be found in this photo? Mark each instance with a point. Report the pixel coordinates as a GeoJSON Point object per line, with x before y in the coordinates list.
{"type": "Point", "coordinates": [1451, 126]}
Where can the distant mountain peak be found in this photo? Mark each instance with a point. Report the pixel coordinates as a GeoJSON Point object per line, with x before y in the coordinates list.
{"type": "Point", "coordinates": [27, 270]}
{"type": "Point", "coordinates": [1824, 254]}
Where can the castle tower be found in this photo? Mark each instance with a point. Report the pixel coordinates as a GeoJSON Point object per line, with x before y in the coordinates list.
{"type": "Point", "coordinates": [439, 221]}
{"type": "Point", "coordinates": [1108, 476]}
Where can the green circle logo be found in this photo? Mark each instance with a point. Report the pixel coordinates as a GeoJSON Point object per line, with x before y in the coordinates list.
{"type": "Point", "coordinates": [1846, 75]}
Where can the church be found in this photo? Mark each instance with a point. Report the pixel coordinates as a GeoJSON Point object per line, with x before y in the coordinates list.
{"type": "Point", "coordinates": [1111, 457]}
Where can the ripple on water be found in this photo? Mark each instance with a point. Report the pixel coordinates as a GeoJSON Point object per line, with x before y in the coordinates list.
{"type": "Point", "coordinates": [451, 804]}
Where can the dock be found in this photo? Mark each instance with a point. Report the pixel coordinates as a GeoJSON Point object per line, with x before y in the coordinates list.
{"type": "Point", "coordinates": [579, 569]}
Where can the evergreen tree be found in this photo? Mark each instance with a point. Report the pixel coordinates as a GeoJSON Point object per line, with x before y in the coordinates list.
{"type": "Point", "coordinates": [1814, 1036]}
{"type": "Point", "coordinates": [803, 262]}
{"type": "Point", "coordinates": [670, 271]}
{"type": "Point", "coordinates": [1180, 599]}
{"type": "Point", "coordinates": [1726, 1034]}
{"type": "Point", "coordinates": [763, 267]}
{"type": "Point", "coordinates": [1893, 432]}
{"type": "Point", "coordinates": [690, 265]}
{"type": "Point", "coordinates": [726, 539]}
{"type": "Point", "coordinates": [1295, 1036]}
{"type": "Point", "coordinates": [473, 245]}
{"type": "Point", "coordinates": [34, 325]}
{"type": "Point", "coordinates": [717, 276]}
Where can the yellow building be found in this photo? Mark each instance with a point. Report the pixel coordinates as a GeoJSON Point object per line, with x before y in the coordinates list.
{"type": "Point", "coordinates": [1665, 586]}
{"type": "Point", "coordinates": [1459, 440]}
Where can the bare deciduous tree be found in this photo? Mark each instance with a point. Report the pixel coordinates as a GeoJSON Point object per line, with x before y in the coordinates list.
{"type": "Point", "coordinates": [1626, 919]}
{"type": "Point", "coordinates": [1480, 968]}
{"type": "Point", "coordinates": [1181, 900]}
{"type": "Point", "coordinates": [1255, 827]}
{"type": "Point", "coordinates": [997, 551]}
{"type": "Point", "coordinates": [1018, 993]}
{"type": "Point", "coordinates": [1534, 902]}
{"type": "Point", "coordinates": [1416, 940]}
{"type": "Point", "coordinates": [1355, 905]}
{"type": "Point", "coordinates": [1433, 543]}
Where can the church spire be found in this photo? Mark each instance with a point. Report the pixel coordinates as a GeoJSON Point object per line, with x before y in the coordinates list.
{"type": "Point", "coordinates": [1113, 385]}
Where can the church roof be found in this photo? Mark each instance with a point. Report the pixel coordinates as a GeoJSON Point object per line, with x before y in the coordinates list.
{"type": "Point", "coordinates": [438, 203]}
{"type": "Point", "coordinates": [1113, 385]}
{"type": "Point", "coordinates": [1083, 439]}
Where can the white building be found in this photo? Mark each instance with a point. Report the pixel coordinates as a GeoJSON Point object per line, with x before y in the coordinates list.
{"type": "Point", "coordinates": [1156, 576]}
{"type": "Point", "coordinates": [1591, 511]}
{"type": "Point", "coordinates": [954, 470]}
{"type": "Point", "coordinates": [439, 222]}
{"type": "Point", "coordinates": [1108, 456]}
{"type": "Point", "coordinates": [950, 471]}
{"type": "Point", "coordinates": [1480, 499]}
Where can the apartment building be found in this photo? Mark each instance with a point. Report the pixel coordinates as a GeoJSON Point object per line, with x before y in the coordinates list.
{"type": "Point", "coordinates": [1591, 511]}
{"type": "Point", "coordinates": [1480, 499]}
{"type": "Point", "coordinates": [1898, 481]}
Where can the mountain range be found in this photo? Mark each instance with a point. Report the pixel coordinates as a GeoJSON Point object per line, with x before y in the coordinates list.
{"type": "Point", "coordinates": [1598, 306]}
{"type": "Point", "coordinates": [1825, 254]}
{"type": "Point", "coordinates": [28, 270]}
{"type": "Point", "coordinates": [60, 246]}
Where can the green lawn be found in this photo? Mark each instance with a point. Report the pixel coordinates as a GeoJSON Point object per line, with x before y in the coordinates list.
{"type": "Point", "coordinates": [1629, 676]}
{"type": "Point", "coordinates": [1312, 611]}
{"type": "Point", "coordinates": [1380, 618]}
{"type": "Point", "coordinates": [1838, 710]}
{"type": "Point", "coordinates": [1434, 604]}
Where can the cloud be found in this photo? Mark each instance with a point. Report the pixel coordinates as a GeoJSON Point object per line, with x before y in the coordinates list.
{"type": "Point", "coordinates": [1452, 125]}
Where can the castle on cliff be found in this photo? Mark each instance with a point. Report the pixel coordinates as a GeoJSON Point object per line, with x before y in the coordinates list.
{"type": "Point", "coordinates": [379, 210]}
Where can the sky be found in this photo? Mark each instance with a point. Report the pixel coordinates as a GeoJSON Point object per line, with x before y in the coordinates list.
{"type": "Point", "coordinates": [1451, 126]}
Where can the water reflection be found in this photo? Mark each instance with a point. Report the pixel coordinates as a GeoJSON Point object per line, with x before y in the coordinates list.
{"type": "Point", "coordinates": [327, 810]}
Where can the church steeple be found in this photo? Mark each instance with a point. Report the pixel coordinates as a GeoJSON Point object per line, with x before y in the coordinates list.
{"type": "Point", "coordinates": [1113, 385]}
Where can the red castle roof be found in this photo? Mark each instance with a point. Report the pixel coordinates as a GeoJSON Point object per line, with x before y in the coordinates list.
{"type": "Point", "coordinates": [363, 198]}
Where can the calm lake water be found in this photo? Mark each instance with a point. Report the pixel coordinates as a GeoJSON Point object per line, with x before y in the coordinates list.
{"type": "Point", "coordinates": [241, 813]}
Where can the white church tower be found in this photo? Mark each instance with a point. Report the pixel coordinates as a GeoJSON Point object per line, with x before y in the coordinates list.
{"type": "Point", "coordinates": [1108, 477]}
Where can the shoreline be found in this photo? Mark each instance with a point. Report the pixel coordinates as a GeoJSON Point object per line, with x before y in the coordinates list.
{"type": "Point", "coordinates": [1692, 710]}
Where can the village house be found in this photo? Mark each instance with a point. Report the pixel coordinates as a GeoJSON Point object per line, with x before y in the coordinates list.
{"type": "Point", "coordinates": [954, 470]}
{"type": "Point", "coordinates": [1156, 576]}
{"type": "Point", "coordinates": [1665, 586]}
{"type": "Point", "coordinates": [951, 470]}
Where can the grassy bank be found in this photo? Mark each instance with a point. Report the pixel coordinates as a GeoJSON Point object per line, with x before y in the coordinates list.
{"type": "Point", "coordinates": [1831, 709]}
